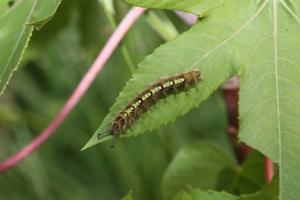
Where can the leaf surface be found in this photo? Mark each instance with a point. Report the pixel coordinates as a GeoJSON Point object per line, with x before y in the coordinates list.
{"type": "Point", "coordinates": [198, 165]}
{"type": "Point", "coordinates": [16, 26]}
{"type": "Point", "coordinates": [205, 166]}
{"type": "Point", "coordinates": [268, 193]}
{"type": "Point", "coordinates": [259, 40]}
{"type": "Point", "coordinates": [270, 90]}
{"type": "Point", "coordinates": [128, 196]}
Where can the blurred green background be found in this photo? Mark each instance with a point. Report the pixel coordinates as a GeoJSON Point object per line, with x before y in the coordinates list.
{"type": "Point", "coordinates": [54, 63]}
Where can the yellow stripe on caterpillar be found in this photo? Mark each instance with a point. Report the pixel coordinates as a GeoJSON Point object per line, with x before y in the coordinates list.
{"type": "Point", "coordinates": [146, 96]}
{"type": "Point", "coordinates": [168, 84]}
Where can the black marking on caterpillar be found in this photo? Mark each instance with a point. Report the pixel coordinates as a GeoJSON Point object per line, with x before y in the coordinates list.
{"type": "Point", "coordinates": [149, 97]}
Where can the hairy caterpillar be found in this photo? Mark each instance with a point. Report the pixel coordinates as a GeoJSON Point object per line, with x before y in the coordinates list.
{"type": "Point", "coordinates": [149, 97]}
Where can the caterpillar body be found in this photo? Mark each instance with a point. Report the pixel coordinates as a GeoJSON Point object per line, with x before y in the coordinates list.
{"type": "Point", "coordinates": [149, 97]}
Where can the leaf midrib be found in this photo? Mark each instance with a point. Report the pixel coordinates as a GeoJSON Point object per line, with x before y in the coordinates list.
{"type": "Point", "coordinates": [275, 35]}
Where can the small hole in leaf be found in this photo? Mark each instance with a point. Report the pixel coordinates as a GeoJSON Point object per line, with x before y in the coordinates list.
{"type": "Point", "coordinates": [10, 3]}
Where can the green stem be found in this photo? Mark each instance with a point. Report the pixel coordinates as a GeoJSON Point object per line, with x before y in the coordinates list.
{"type": "Point", "coordinates": [160, 22]}
{"type": "Point", "coordinates": [124, 49]}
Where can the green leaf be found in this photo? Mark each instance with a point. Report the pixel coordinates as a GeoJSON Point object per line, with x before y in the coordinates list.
{"type": "Point", "coordinates": [198, 7]}
{"type": "Point", "coordinates": [270, 90]}
{"type": "Point", "coordinates": [263, 42]}
{"type": "Point", "coordinates": [4, 6]}
{"type": "Point", "coordinates": [269, 192]}
{"type": "Point", "coordinates": [108, 6]}
{"type": "Point", "coordinates": [15, 32]}
{"type": "Point", "coordinates": [128, 196]}
{"type": "Point", "coordinates": [43, 12]}
{"type": "Point", "coordinates": [196, 194]}
{"type": "Point", "coordinates": [198, 165]}
{"type": "Point", "coordinates": [205, 166]}
{"type": "Point", "coordinates": [203, 47]}
{"type": "Point", "coordinates": [250, 177]}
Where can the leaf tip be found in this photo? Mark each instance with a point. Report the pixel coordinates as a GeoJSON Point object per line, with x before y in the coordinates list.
{"type": "Point", "coordinates": [90, 143]}
{"type": "Point", "coordinates": [86, 146]}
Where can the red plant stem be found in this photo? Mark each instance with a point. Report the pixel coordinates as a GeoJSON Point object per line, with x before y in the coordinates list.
{"type": "Point", "coordinates": [269, 170]}
{"type": "Point", "coordinates": [80, 90]}
{"type": "Point", "coordinates": [188, 18]}
{"type": "Point", "coordinates": [230, 91]}
{"type": "Point", "coordinates": [231, 95]}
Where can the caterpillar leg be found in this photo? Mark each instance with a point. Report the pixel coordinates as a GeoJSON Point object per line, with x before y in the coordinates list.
{"type": "Point", "coordinates": [102, 135]}
{"type": "Point", "coordinates": [113, 141]}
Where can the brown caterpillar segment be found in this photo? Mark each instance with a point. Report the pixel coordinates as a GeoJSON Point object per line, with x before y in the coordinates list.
{"type": "Point", "coordinates": [149, 97]}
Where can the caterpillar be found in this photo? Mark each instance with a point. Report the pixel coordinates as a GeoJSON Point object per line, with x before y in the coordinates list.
{"type": "Point", "coordinates": [149, 97]}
